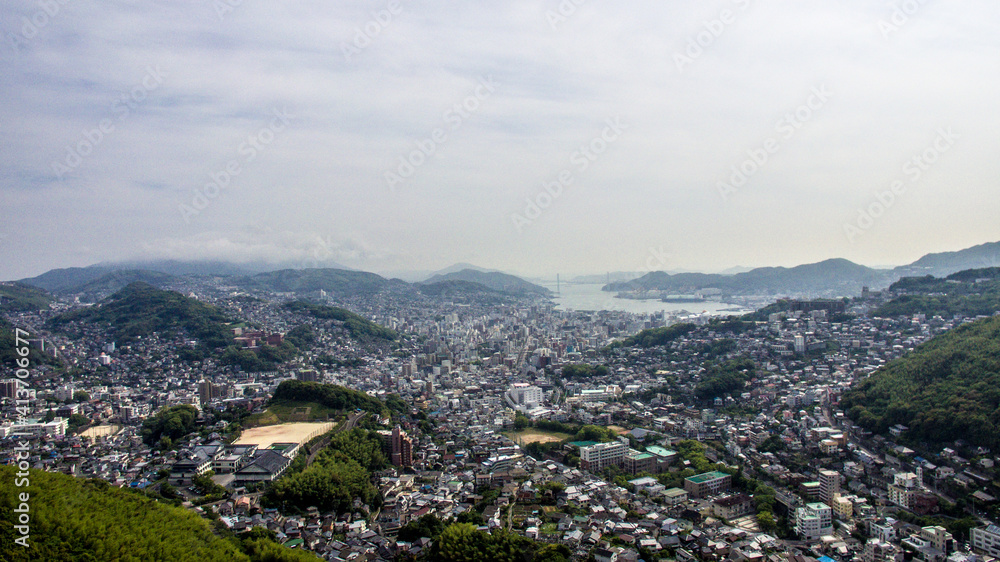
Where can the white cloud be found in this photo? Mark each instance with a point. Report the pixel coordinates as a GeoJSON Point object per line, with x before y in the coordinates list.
{"type": "Point", "coordinates": [355, 116]}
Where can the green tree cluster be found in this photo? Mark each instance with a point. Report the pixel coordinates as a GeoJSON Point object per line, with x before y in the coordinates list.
{"type": "Point", "coordinates": [264, 358]}
{"type": "Point", "coordinates": [339, 474]}
{"type": "Point", "coordinates": [173, 423]}
{"type": "Point", "coordinates": [972, 292]}
{"type": "Point", "coordinates": [302, 336]}
{"type": "Point", "coordinates": [595, 433]}
{"type": "Point", "coordinates": [427, 526]}
{"type": "Point", "coordinates": [583, 371]}
{"type": "Point", "coordinates": [463, 542]}
{"type": "Point", "coordinates": [720, 379]}
{"type": "Point", "coordinates": [329, 395]}
{"type": "Point", "coordinates": [655, 336]}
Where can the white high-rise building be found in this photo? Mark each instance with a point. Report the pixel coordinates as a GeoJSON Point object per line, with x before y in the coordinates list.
{"type": "Point", "coordinates": [596, 457]}
{"type": "Point", "coordinates": [986, 540]}
{"type": "Point", "coordinates": [524, 396]}
{"type": "Point", "coordinates": [829, 486]}
{"type": "Point", "coordinates": [903, 489]}
{"type": "Point", "coordinates": [813, 521]}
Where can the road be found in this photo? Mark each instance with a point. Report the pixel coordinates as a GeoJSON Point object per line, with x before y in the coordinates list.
{"type": "Point", "coordinates": [352, 421]}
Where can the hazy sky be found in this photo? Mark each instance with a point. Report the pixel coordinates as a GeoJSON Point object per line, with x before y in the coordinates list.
{"type": "Point", "coordinates": [415, 134]}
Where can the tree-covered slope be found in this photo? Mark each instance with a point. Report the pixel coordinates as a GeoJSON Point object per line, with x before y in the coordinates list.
{"type": "Point", "coordinates": [329, 395]}
{"type": "Point", "coordinates": [18, 297]}
{"type": "Point", "coordinates": [971, 292]}
{"type": "Point", "coordinates": [74, 519]}
{"type": "Point", "coordinates": [946, 389]}
{"type": "Point", "coordinates": [655, 336]}
{"type": "Point", "coordinates": [141, 309]}
{"type": "Point", "coordinates": [495, 280]}
{"type": "Point", "coordinates": [100, 288]}
{"type": "Point", "coordinates": [336, 281]}
{"type": "Point", "coordinates": [358, 326]}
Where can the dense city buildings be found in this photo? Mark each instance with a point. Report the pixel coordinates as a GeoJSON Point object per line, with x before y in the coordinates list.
{"type": "Point", "coordinates": [530, 417]}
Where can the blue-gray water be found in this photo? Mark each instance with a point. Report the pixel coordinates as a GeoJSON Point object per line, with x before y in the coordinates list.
{"type": "Point", "coordinates": [591, 297]}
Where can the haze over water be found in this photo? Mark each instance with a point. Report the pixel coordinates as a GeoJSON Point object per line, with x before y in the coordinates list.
{"type": "Point", "coordinates": [591, 297]}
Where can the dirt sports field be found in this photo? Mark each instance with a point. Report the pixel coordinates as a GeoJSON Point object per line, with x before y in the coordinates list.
{"type": "Point", "coordinates": [532, 436]}
{"type": "Point", "coordinates": [265, 436]}
{"type": "Point", "coordinates": [100, 431]}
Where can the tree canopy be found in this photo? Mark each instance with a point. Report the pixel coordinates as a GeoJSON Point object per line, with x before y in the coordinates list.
{"type": "Point", "coordinates": [946, 389]}
{"type": "Point", "coordinates": [173, 423]}
{"type": "Point", "coordinates": [90, 520]}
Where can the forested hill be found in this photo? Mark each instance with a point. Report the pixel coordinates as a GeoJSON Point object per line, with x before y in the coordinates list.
{"type": "Point", "coordinates": [971, 292]}
{"type": "Point", "coordinates": [90, 520]}
{"type": "Point", "coordinates": [18, 297]}
{"type": "Point", "coordinates": [946, 389]}
{"type": "Point", "coordinates": [141, 309]}
{"type": "Point", "coordinates": [358, 326]}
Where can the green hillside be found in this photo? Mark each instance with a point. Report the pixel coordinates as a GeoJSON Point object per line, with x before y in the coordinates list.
{"type": "Point", "coordinates": [357, 326]}
{"type": "Point", "coordinates": [655, 336]}
{"type": "Point", "coordinates": [946, 389]}
{"type": "Point", "coordinates": [114, 281]}
{"type": "Point", "coordinates": [329, 395]}
{"type": "Point", "coordinates": [18, 297]}
{"type": "Point", "coordinates": [971, 292]}
{"type": "Point", "coordinates": [89, 520]}
{"type": "Point", "coordinates": [141, 309]}
{"type": "Point", "coordinates": [495, 280]}
{"type": "Point", "coordinates": [336, 281]}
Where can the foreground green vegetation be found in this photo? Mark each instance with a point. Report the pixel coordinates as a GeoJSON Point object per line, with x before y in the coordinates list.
{"type": "Point", "coordinates": [90, 520]}
{"type": "Point", "coordinates": [946, 389]}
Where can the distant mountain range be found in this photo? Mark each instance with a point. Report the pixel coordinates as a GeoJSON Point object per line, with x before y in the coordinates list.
{"type": "Point", "coordinates": [333, 281]}
{"type": "Point", "coordinates": [946, 263]}
{"type": "Point", "coordinates": [836, 277]}
{"type": "Point", "coordinates": [494, 280]}
{"type": "Point", "coordinates": [96, 282]}
{"type": "Point", "coordinates": [829, 278]}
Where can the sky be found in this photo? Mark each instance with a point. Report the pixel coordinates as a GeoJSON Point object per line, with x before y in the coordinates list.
{"type": "Point", "coordinates": [535, 137]}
